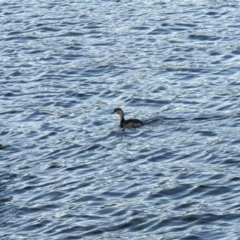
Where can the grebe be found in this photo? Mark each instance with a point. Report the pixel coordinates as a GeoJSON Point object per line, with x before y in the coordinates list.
{"type": "Point", "coordinates": [130, 123]}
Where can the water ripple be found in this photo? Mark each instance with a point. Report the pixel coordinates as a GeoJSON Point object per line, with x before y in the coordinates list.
{"type": "Point", "coordinates": [68, 171]}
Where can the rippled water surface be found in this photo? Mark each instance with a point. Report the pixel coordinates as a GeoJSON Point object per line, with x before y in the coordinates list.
{"type": "Point", "coordinates": [66, 169]}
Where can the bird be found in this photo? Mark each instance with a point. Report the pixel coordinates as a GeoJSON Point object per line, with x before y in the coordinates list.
{"type": "Point", "coordinates": [130, 123]}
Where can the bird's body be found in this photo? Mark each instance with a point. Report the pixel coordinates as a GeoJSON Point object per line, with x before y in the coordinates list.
{"type": "Point", "coordinates": [130, 123]}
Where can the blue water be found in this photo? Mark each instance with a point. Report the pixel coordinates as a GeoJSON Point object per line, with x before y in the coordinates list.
{"type": "Point", "coordinates": [66, 169]}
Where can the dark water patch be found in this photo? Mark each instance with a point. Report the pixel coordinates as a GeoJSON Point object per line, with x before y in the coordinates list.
{"type": "Point", "coordinates": [48, 29]}
{"type": "Point", "coordinates": [2, 146]}
{"type": "Point", "coordinates": [207, 133]}
{"type": "Point", "coordinates": [203, 37]}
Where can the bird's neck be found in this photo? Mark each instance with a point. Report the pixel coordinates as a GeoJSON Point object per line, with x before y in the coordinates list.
{"type": "Point", "coordinates": [121, 116]}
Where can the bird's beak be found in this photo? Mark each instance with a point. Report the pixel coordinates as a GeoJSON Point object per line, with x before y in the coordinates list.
{"type": "Point", "coordinates": [113, 112]}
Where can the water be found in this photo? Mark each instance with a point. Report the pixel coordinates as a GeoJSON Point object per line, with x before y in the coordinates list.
{"type": "Point", "coordinates": [67, 171]}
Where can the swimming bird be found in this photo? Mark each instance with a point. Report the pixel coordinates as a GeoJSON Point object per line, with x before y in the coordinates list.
{"type": "Point", "coordinates": [130, 123]}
